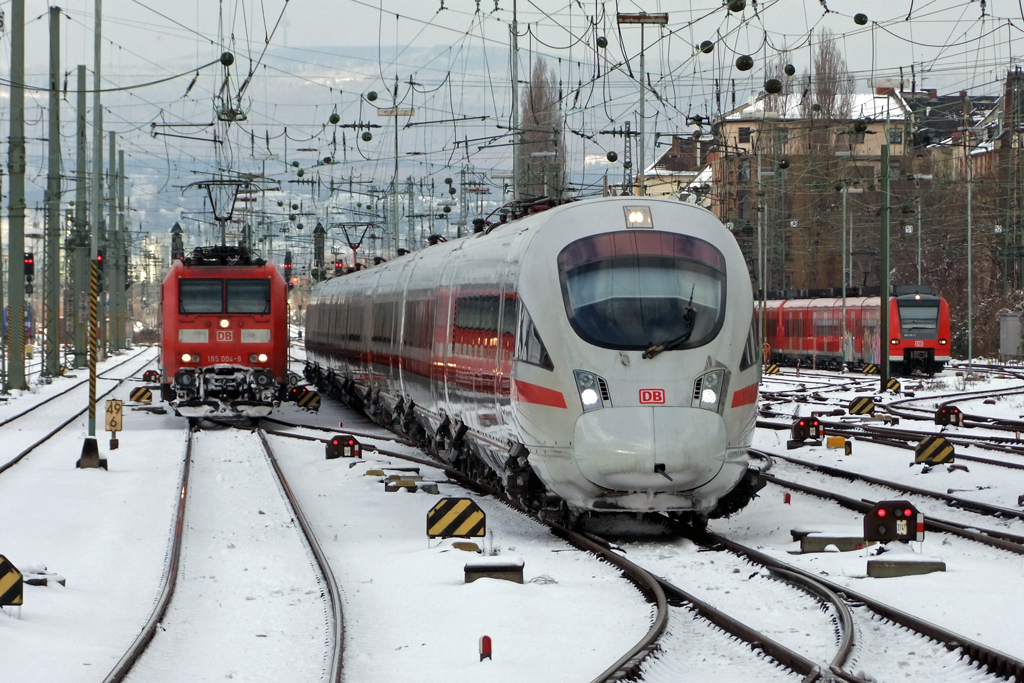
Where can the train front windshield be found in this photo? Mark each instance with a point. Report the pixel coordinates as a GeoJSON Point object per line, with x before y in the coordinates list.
{"type": "Point", "coordinates": [919, 318]}
{"type": "Point", "coordinates": [630, 290]}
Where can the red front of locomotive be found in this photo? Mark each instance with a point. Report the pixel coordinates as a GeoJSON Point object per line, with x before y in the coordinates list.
{"type": "Point", "coordinates": [225, 349]}
{"type": "Point", "coordinates": [919, 333]}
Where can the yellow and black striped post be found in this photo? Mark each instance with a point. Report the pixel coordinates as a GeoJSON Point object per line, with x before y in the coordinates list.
{"type": "Point", "coordinates": [456, 517]}
{"type": "Point", "coordinates": [94, 332]}
{"type": "Point", "coordinates": [90, 449]}
{"type": "Point", "coordinates": [934, 450]}
{"type": "Point", "coordinates": [11, 583]}
{"type": "Point", "coordinates": [21, 321]}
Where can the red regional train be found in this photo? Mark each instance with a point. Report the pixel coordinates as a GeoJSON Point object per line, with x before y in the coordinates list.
{"type": "Point", "coordinates": [224, 351]}
{"type": "Point", "coordinates": [809, 331]}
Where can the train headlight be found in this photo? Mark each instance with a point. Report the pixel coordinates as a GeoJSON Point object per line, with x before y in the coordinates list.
{"type": "Point", "coordinates": [638, 217]}
{"type": "Point", "coordinates": [591, 389]}
{"type": "Point", "coordinates": [894, 342]}
{"type": "Point", "coordinates": [224, 322]}
{"type": "Point", "coordinates": [708, 390]}
{"type": "Point", "coordinates": [262, 358]}
{"type": "Point", "coordinates": [189, 358]}
{"type": "Point", "coordinates": [942, 342]}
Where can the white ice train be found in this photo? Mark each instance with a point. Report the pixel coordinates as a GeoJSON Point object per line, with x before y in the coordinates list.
{"type": "Point", "coordinates": [597, 356]}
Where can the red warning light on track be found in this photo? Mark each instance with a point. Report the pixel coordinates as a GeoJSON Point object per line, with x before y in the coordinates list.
{"type": "Point", "coordinates": [652, 396]}
{"type": "Point", "coordinates": [881, 513]}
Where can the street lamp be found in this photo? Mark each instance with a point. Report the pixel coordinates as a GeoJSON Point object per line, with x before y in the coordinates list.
{"type": "Point", "coordinates": [643, 18]}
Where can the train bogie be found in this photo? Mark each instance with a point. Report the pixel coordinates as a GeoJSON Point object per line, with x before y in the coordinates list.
{"type": "Point", "coordinates": [224, 348]}
{"type": "Point", "coordinates": [596, 356]}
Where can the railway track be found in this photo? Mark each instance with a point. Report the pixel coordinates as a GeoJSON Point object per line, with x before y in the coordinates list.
{"type": "Point", "coordinates": [995, 538]}
{"type": "Point", "coordinates": [655, 659]}
{"type": "Point", "coordinates": [71, 388]}
{"type": "Point", "coordinates": [168, 641]}
{"type": "Point", "coordinates": [666, 597]}
{"type": "Point", "coordinates": [29, 422]}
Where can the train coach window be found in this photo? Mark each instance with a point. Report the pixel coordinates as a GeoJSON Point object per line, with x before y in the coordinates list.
{"type": "Point", "coordinates": [630, 291]}
{"type": "Point", "coordinates": [201, 296]}
{"type": "Point", "coordinates": [249, 296]}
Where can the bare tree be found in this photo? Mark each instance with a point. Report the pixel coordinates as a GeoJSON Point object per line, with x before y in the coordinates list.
{"type": "Point", "coordinates": [782, 101]}
{"type": "Point", "coordinates": [541, 126]}
{"type": "Point", "coordinates": [831, 85]}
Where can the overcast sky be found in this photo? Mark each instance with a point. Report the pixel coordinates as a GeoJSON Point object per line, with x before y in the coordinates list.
{"type": "Point", "coordinates": [326, 55]}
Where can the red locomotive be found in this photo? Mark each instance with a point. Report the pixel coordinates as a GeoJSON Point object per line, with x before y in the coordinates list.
{"type": "Point", "coordinates": [809, 331]}
{"type": "Point", "coordinates": [225, 349]}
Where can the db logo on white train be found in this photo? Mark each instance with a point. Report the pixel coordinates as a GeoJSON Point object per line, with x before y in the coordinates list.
{"type": "Point", "coordinates": [652, 396]}
{"type": "Point", "coordinates": [225, 335]}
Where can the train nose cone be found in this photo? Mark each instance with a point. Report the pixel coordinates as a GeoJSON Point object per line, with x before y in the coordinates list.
{"type": "Point", "coordinates": [619, 448]}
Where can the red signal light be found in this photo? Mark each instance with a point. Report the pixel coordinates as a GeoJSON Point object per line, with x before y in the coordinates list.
{"type": "Point", "coordinates": [881, 513]}
{"type": "Point", "coordinates": [335, 442]}
{"type": "Point", "coordinates": [907, 512]}
{"type": "Point", "coordinates": [351, 442]}
{"type": "Point", "coordinates": [801, 423]}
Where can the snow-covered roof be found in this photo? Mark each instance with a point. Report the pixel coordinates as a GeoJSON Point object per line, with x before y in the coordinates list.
{"type": "Point", "coordinates": [885, 107]}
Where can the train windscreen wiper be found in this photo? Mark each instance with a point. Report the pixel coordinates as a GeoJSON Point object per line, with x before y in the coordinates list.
{"type": "Point", "coordinates": [689, 317]}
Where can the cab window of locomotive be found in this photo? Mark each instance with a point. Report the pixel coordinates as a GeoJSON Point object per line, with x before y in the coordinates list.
{"type": "Point", "coordinates": [249, 296]}
{"type": "Point", "coordinates": [201, 296]}
{"type": "Point", "coordinates": [629, 290]}
{"type": "Point", "coordinates": [529, 346]}
{"type": "Point", "coordinates": [919, 319]}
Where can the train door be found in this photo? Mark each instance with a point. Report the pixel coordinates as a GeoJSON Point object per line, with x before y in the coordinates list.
{"type": "Point", "coordinates": [443, 347]}
{"type": "Point", "coordinates": [395, 353]}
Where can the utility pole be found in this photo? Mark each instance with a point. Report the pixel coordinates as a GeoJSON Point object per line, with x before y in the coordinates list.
{"type": "Point", "coordinates": [410, 193]}
{"type": "Point", "coordinates": [643, 19]}
{"type": "Point", "coordinates": [90, 449]}
{"type": "Point", "coordinates": [51, 278]}
{"type": "Point", "coordinates": [883, 365]}
{"type": "Point", "coordinates": [463, 201]}
{"type": "Point", "coordinates": [843, 344]}
{"type": "Point", "coordinates": [970, 268]}
{"type": "Point", "coordinates": [81, 234]}
{"type": "Point", "coordinates": [16, 203]}
{"type": "Point", "coordinates": [395, 203]}
{"type": "Point", "coordinates": [516, 170]}
{"type": "Point", "coordinates": [4, 386]}
{"type": "Point", "coordinates": [120, 276]}
{"type": "Point", "coordinates": [762, 332]}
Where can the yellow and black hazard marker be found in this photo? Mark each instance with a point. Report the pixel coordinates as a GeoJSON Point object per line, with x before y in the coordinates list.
{"type": "Point", "coordinates": [456, 517]}
{"type": "Point", "coordinates": [870, 369]}
{"type": "Point", "coordinates": [141, 395]}
{"type": "Point", "coordinates": [934, 450]}
{"type": "Point", "coordinates": [11, 583]}
{"type": "Point", "coordinates": [862, 405]}
{"type": "Point", "coordinates": [894, 385]}
{"type": "Point", "coordinates": [771, 369]}
{"type": "Point", "coordinates": [310, 400]}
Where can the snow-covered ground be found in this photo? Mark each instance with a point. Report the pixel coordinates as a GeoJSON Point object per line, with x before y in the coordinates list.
{"type": "Point", "coordinates": [978, 596]}
{"type": "Point", "coordinates": [408, 613]}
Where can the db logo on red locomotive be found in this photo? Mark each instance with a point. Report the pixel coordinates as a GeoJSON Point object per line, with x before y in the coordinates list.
{"type": "Point", "coordinates": [652, 396]}
{"type": "Point", "coordinates": [225, 335]}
